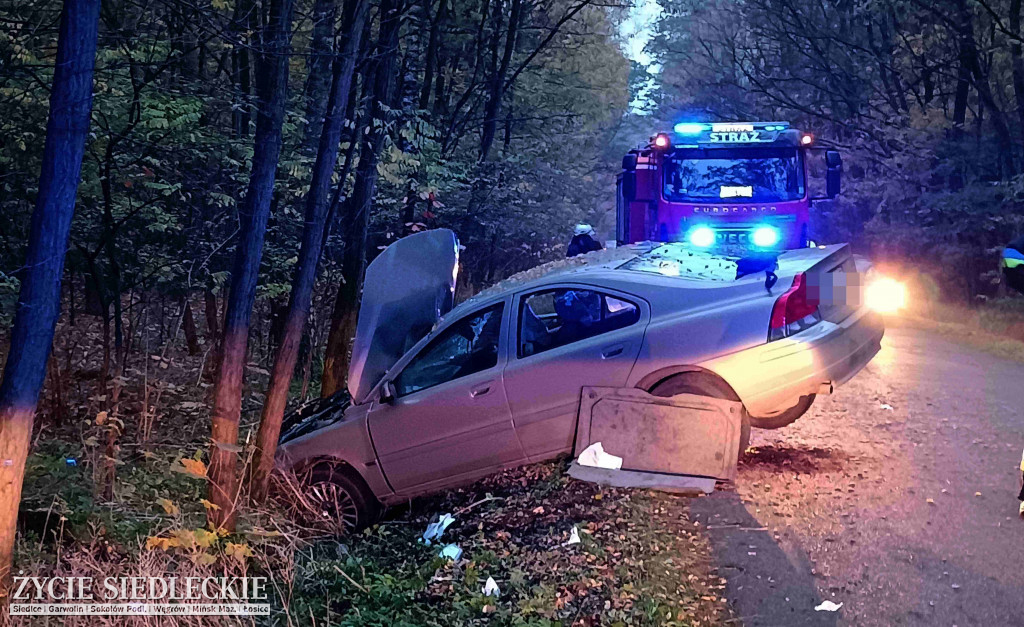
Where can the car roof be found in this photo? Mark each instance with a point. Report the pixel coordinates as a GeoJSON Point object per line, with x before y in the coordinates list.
{"type": "Point", "coordinates": [634, 264]}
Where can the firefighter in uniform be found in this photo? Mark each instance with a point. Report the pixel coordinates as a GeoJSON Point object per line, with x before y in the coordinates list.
{"type": "Point", "coordinates": [583, 241]}
{"type": "Point", "coordinates": [1013, 264]}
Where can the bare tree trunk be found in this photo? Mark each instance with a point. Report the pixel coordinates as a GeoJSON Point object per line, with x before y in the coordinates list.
{"type": "Point", "coordinates": [970, 56]}
{"type": "Point", "coordinates": [212, 323]}
{"type": "Point", "coordinates": [1018, 60]}
{"type": "Point", "coordinates": [39, 299]}
{"type": "Point", "coordinates": [359, 205]}
{"type": "Point", "coordinates": [188, 324]}
{"type": "Point", "coordinates": [227, 402]}
{"type": "Point", "coordinates": [496, 90]}
{"type": "Point", "coordinates": [430, 62]}
{"type": "Point", "coordinates": [318, 67]}
{"type": "Point", "coordinates": [309, 254]}
{"type": "Point", "coordinates": [243, 21]}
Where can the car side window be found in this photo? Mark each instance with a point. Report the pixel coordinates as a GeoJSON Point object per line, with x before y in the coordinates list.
{"type": "Point", "coordinates": [554, 318]}
{"type": "Point", "coordinates": [466, 347]}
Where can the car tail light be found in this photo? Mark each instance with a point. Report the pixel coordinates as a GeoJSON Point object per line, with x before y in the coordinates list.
{"type": "Point", "coordinates": [795, 310]}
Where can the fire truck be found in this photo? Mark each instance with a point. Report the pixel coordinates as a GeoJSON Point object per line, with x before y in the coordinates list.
{"type": "Point", "coordinates": [745, 185]}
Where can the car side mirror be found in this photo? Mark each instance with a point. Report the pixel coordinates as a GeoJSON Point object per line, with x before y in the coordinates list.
{"type": "Point", "coordinates": [388, 393]}
{"type": "Point", "coordinates": [833, 173]}
{"type": "Point", "coordinates": [628, 186]}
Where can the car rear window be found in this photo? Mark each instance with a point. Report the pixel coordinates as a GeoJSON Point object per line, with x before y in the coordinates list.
{"type": "Point", "coordinates": [554, 318]}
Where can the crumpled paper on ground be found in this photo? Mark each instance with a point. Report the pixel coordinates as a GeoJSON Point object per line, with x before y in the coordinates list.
{"type": "Point", "coordinates": [595, 455]}
{"type": "Point", "coordinates": [491, 589]}
{"type": "Point", "coordinates": [451, 551]}
{"type": "Point", "coordinates": [435, 529]}
{"type": "Point", "coordinates": [827, 606]}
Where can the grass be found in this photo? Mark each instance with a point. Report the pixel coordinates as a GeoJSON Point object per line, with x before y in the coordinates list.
{"type": "Point", "coordinates": [640, 560]}
{"type": "Point", "coordinates": [995, 326]}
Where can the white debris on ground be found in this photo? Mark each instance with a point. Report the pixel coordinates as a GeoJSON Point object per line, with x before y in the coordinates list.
{"type": "Point", "coordinates": [595, 455]}
{"type": "Point", "coordinates": [491, 588]}
{"type": "Point", "coordinates": [574, 537]}
{"type": "Point", "coordinates": [435, 529]}
{"type": "Point", "coordinates": [886, 407]}
{"type": "Point", "coordinates": [452, 552]}
{"type": "Point", "coordinates": [827, 606]}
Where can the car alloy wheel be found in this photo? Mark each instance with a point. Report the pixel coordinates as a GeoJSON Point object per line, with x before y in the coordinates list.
{"type": "Point", "coordinates": [338, 496]}
{"type": "Point", "coordinates": [335, 503]}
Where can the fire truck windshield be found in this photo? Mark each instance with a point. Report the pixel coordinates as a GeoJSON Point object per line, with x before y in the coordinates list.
{"type": "Point", "coordinates": [762, 174]}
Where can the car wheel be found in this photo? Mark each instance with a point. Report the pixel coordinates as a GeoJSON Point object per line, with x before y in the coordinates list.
{"type": "Point", "coordinates": [784, 418]}
{"type": "Point", "coordinates": [337, 494]}
{"type": "Point", "coordinates": [704, 385]}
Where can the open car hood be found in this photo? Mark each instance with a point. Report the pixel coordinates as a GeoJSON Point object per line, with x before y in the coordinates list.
{"type": "Point", "coordinates": [407, 288]}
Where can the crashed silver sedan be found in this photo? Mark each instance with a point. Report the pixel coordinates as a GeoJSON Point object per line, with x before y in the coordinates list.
{"type": "Point", "coordinates": [439, 396]}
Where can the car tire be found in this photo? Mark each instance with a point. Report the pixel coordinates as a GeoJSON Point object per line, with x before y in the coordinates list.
{"type": "Point", "coordinates": [339, 493]}
{"type": "Point", "coordinates": [703, 384]}
{"type": "Point", "coordinates": [785, 418]}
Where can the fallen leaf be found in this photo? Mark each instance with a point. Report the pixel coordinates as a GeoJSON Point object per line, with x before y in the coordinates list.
{"type": "Point", "coordinates": [168, 506]}
{"type": "Point", "coordinates": [192, 467]}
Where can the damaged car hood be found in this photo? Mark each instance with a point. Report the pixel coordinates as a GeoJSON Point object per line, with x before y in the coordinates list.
{"type": "Point", "coordinates": [407, 288]}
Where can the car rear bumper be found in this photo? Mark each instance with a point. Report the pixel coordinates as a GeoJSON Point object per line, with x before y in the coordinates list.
{"type": "Point", "coordinates": [772, 377]}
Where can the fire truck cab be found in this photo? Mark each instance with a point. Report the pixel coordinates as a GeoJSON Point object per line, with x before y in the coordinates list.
{"type": "Point", "coordinates": [725, 185]}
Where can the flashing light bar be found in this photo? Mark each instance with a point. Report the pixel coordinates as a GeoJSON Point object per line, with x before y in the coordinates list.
{"type": "Point", "coordinates": [691, 128]}
{"type": "Point", "coordinates": [696, 128]}
{"type": "Point", "coordinates": [703, 236]}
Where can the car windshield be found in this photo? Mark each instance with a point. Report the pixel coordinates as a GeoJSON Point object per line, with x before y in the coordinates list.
{"type": "Point", "coordinates": [733, 175]}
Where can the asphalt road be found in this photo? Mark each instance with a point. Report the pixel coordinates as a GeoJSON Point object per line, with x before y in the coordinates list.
{"type": "Point", "coordinates": [906, 516]}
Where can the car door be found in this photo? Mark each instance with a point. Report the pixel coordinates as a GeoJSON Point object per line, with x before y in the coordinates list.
{"type": "Point", "coordinates": [450, 419]}
{"type": "Point", "coordinates": [565, 337]}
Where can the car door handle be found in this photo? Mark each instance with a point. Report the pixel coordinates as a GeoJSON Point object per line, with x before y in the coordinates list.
{"type": "Point", "coordinates": [483, 390]}
{"type": "Point", "coordinates": [612, 351]}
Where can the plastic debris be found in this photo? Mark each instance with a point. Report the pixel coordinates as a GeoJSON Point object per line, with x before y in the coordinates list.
{"type": "Point", "coordinates": [886, 406]}
{"type": "Point", "coordinates": [594, 455]}
{"type": "Point", "coordinates": [574, 537]}
{"type": "Point", "coordinates": [827, 606]}
{"type": "Point", "coordinates": [452, 552]}
{"type": "Point", "coordinates": [71, 461]}
{"type": "Point", "coordinates": [491, 588]}
{"type": "Point", "coordinates": [435, 529]}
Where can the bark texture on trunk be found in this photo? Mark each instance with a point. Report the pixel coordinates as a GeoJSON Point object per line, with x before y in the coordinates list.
{"type": "Point", "coordinates": [39, 300]}
{"type": "Point", "coordinates": [254, 211]}
{"type": "Point", "coordinates": [358, 207]}
{"type": "Point", "coordinates": [317, 203]}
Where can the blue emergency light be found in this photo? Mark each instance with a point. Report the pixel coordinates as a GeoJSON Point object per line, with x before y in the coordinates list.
{"type": "Point", "coordinates": [696, 128]}
{"type": "Point", "coordinates": [702, 236]}
{"type": "Point", "coordinates": [690, 128]}
{"type": "Point", "coordinates": [765, 236]}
